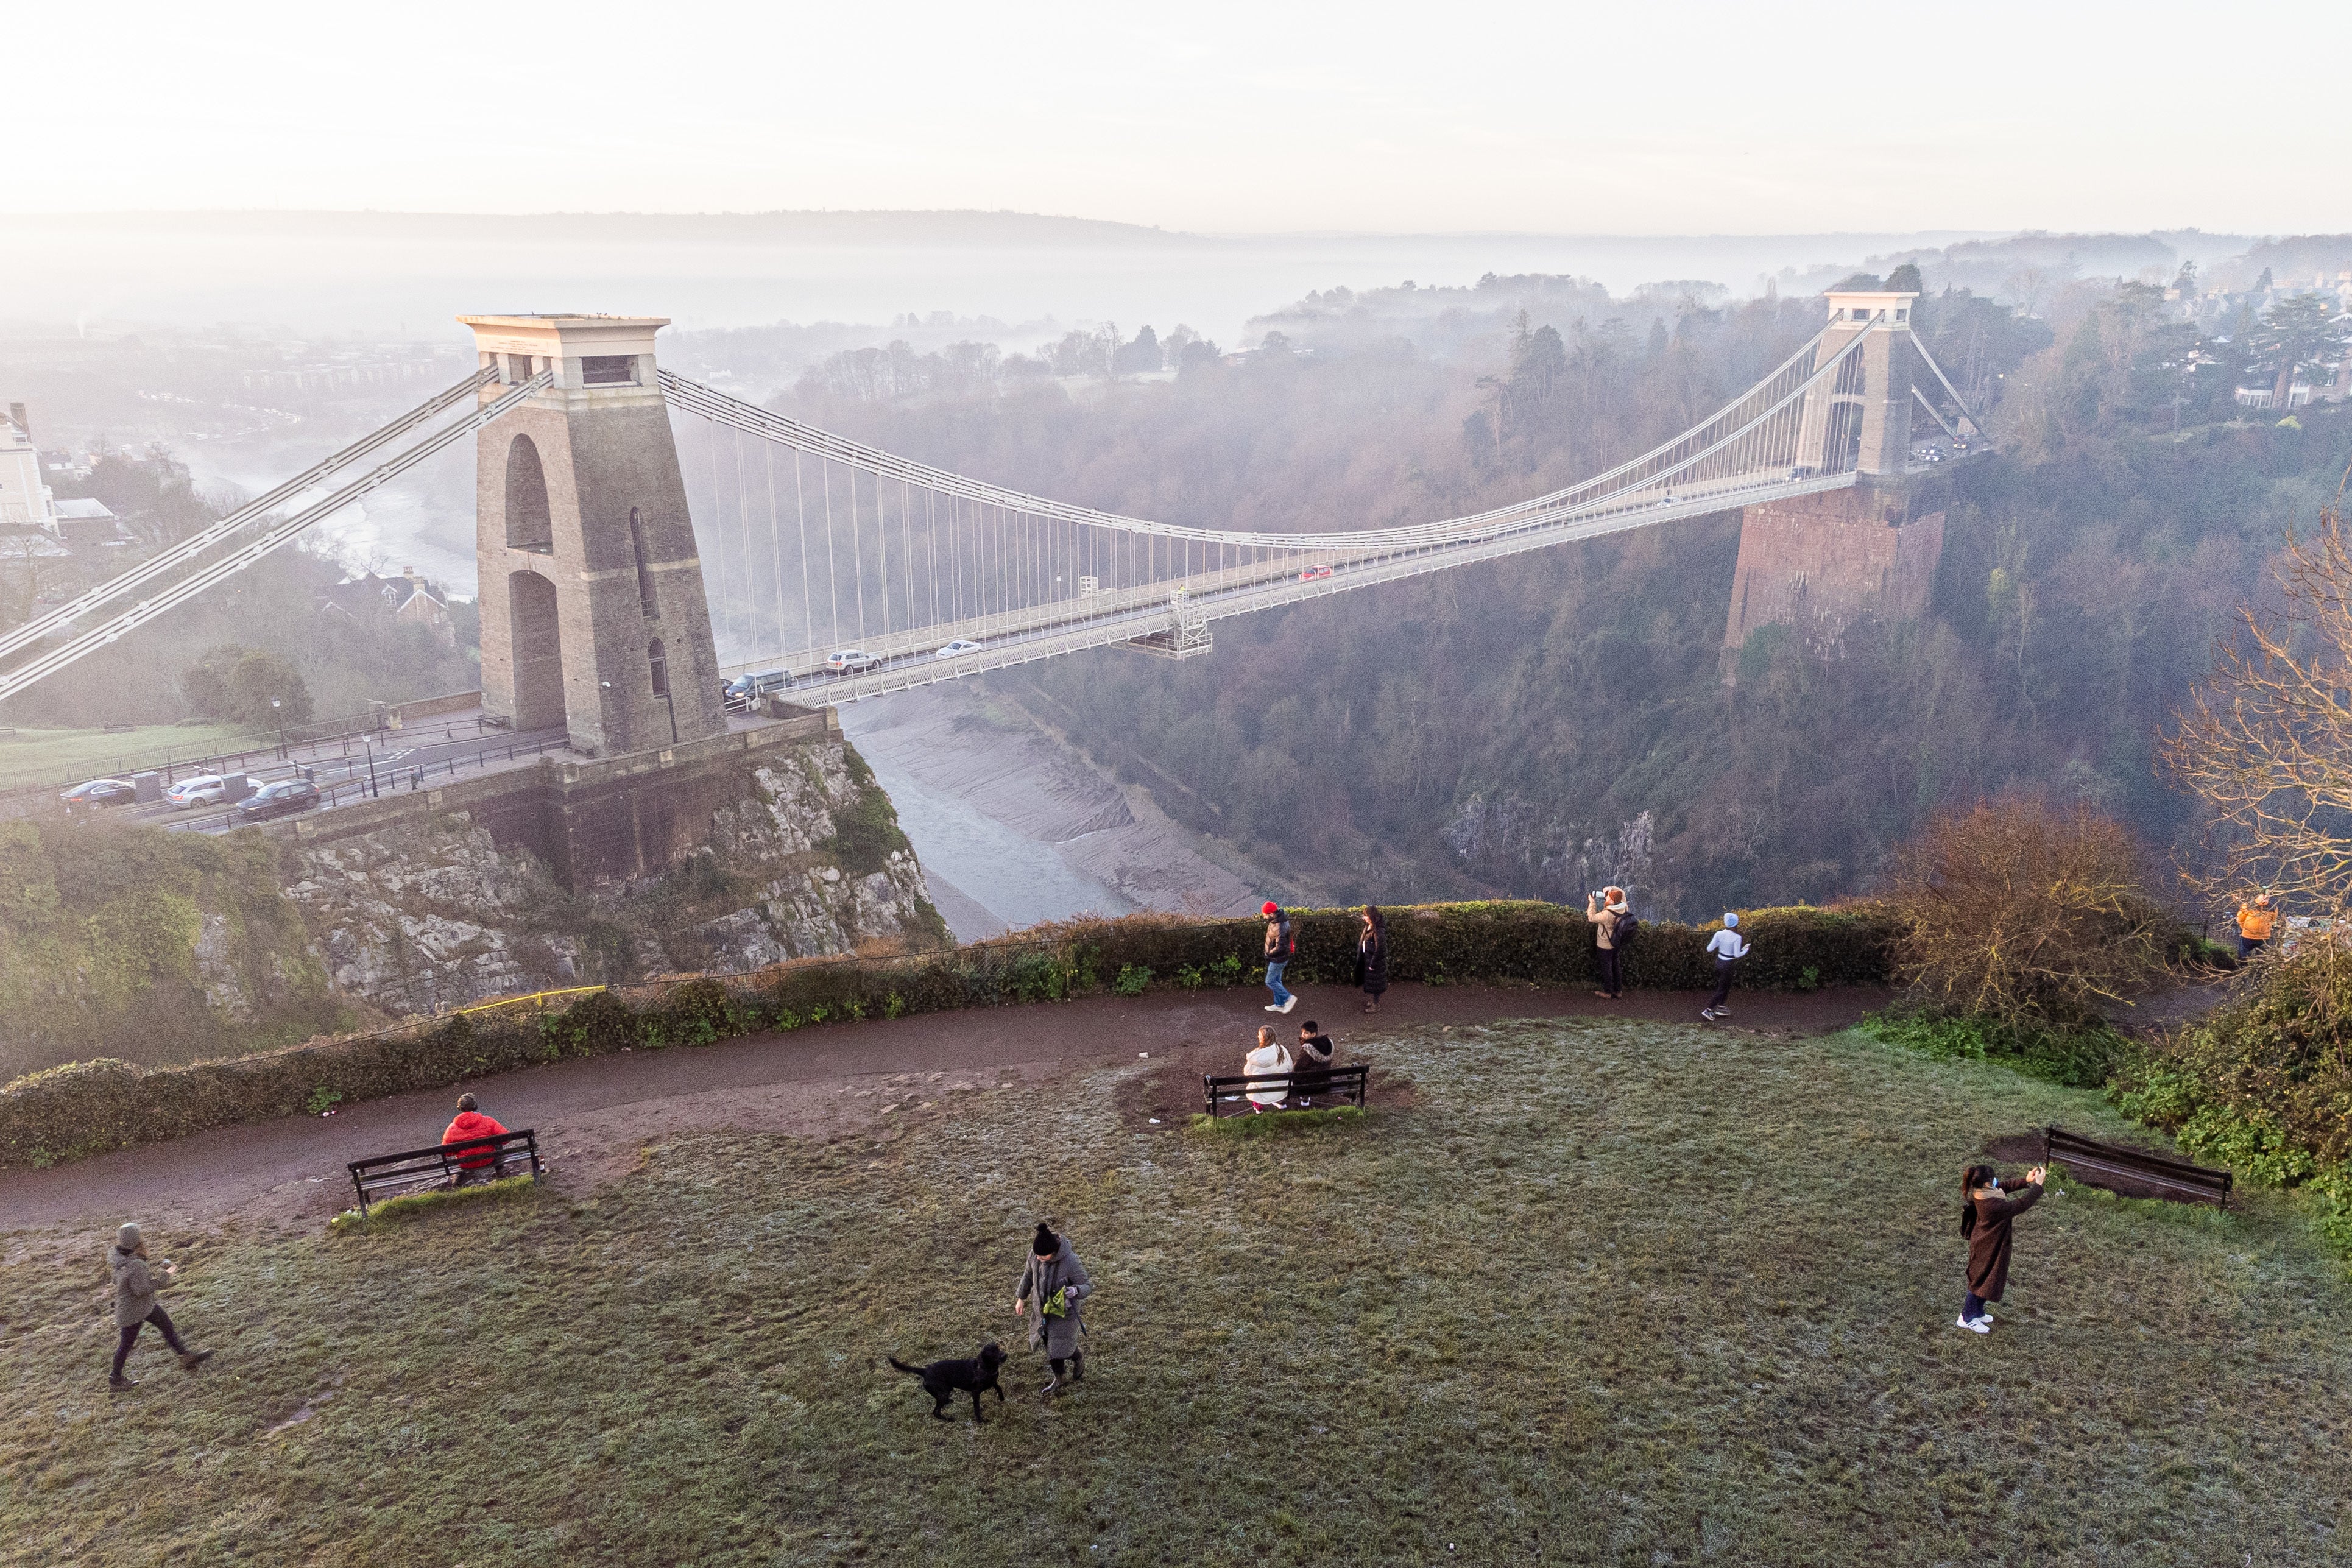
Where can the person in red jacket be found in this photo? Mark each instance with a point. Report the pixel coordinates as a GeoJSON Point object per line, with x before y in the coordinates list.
{"type": "Point", "coordinates": [471, 1123]}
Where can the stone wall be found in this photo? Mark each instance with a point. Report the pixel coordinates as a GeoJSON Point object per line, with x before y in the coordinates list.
{"type": "Point", "coordinates": [1819, 562]}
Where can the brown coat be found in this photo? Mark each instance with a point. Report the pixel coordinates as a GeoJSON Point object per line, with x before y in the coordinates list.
{"type": "Point", "coordinates": [1989, 1242]}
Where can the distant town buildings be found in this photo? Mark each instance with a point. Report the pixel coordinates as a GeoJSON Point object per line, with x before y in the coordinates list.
{"type": "Point", "coordinates": [407, 598]}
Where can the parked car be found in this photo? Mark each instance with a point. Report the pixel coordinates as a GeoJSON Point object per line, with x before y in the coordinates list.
{"type": "Point", "coordinates": [204, 789]}
{"type": "Point", "coordinates": [957, 648]}
{"type": "Point", "coordinates": [283, 798]}
{"type": "Point", "coordinates": [746, 690]}
{"type": "Point", "coordinates": [852, 661]}
{"type": "Point", "coordinates": [1314, 573]}
{"type": "Point", "coordinates": [100, 791]}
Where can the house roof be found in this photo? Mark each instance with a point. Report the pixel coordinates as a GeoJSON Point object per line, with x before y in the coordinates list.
{"type": "Point", "coordinates": [86, 509]}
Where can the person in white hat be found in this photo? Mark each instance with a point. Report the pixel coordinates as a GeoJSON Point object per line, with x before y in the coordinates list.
{"type": "Point", "coordinates": [1728, 947]}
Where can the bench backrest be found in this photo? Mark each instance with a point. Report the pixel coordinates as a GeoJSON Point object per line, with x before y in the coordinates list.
{"type": "Point", "coordinates": [2177, 1177]}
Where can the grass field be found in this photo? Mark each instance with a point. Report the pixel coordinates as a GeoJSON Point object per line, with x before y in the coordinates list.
{"type": "Point", "coordinates": [59, 756]}
{"type": "Point", "coordinates": [1606, 1293]}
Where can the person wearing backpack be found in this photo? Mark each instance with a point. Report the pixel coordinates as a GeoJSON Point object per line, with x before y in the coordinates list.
{"type": "Point", "coordinates": [1281, 947]}
{"type": "Point", "coordinates": [1613, 932]}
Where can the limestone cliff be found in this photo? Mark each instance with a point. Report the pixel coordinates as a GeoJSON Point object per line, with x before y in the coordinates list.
{"type": "Point", "coordinates": [166, 947]}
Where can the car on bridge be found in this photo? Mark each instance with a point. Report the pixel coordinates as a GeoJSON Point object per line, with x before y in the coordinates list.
{"type": "Point", "coordinates": [284, 798]}
{"type": "Point", "coordinates": [99, 792]}
{"type": "Point", "coordinates": [852, 661]}
{"type": "Point", "coordinates": [204, 789]}
{"type": "Point", "coordinates": [957, 648]}
{"type": "Point", "coordinates": [1315, 573]}
{"type": "Point", "coordinates": [746, 690]}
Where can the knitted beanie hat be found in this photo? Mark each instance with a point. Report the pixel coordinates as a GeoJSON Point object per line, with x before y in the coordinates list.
{"type": "Point", "coordinates": [1047, 1244]}
{"type": "Point", "coordinates": [128, 1238]}
{"type": "Point", "coordinates": [1731, 921]}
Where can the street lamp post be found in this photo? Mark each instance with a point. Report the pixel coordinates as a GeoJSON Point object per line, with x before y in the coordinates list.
{"type": "Point", "coordinates": [279, 708]}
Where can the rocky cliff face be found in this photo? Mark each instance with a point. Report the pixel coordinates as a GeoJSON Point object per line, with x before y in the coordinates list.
{"type": "Point", "coordinates": [165, 947]}
{"type": "Point", "coordinates": [808, 861]}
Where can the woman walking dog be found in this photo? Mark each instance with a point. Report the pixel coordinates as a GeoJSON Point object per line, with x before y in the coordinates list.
{"type": "Point", "coordinates": [1986, 1214]}
{"type": "Point", "coordinates": [1058, 1282]}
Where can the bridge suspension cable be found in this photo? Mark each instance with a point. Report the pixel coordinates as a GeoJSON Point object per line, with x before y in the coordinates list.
{"type": "Point", "coordinates": [50, 662]}
{"type": "Point", "coordinates": [196, 544]}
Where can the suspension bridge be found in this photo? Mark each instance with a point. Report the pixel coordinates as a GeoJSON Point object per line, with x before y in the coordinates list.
{"type": "Point", "coordinates": [857, 572]}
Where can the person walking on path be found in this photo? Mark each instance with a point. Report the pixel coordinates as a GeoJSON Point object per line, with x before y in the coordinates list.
{"type": "Point", "coordinates": [1373, 957]}
{"type": "Point", "coordinates": [1281, 947]}
{"type": "Point", "coordinates": [1056, 1281]}
{"type": "Point", "coordinates": [470, 1123]}
{"type": "Point", "coordinates": [1728, 947]}
{"type": "Point", "coordinates": [1986, 1214]}
{"type": "Point", "coordinates": [1267, 1059]}
{"type": "Point", "coordinates": [135, 1289]}
{"type": "Point", "coordinates": [1604, 909]}
{"type": "Point", "coordinates": [2255, 922]}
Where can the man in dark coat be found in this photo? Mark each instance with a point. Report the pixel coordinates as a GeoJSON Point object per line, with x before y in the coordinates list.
{"type": "Point", "coordinates": [1986, 1222]}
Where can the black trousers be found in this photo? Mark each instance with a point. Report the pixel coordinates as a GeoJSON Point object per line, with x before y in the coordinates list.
{"type": "Point", "coordinates": [163, 1321]}
{"type": "Point", "coordinates": [1613, 972]}
{"type": "Point", "coordinates": [1723, 968]}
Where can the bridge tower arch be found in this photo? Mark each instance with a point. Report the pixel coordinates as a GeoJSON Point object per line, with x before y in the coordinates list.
{"type": "Point", "coordinates": [584, 544]}
{"type": "Point", "coordinates": [1818, 563]}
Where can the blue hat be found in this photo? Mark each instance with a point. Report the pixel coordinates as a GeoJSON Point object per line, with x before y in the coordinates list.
{"type": "Point", "coordinates": [1731, 921]}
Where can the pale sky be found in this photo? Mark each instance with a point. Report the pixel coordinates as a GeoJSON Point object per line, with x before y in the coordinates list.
{"type": "Point", "coordinates": [1698, 118]}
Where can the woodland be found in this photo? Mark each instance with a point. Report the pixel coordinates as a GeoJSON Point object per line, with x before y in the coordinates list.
{"type": "Point", "coordinates": [1539, 726]}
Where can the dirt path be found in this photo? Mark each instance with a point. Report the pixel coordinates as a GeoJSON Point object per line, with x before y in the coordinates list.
{"type": "Point", "coordinates": [592, 1116]}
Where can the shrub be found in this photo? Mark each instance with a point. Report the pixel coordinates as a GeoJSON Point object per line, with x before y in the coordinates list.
{"type": "Point", "coordinates": [1133, 980]}
{"type": "Point", "coordinates": [2026, 914]}
{"type": "Point", "coordinates": [2080, 1058]}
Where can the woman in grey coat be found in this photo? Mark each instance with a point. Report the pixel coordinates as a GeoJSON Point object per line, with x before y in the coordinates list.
{"type": "Point", "coordinates": [135, 1289]}
{"type": "Point", "coordinates": [1058, 1282]}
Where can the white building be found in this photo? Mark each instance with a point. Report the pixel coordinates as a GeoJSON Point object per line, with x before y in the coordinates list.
{"type": "Point", "coordinates": [25, 501]}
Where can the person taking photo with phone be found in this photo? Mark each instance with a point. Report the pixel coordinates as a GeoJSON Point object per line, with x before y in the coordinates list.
{"type": "Point", "coordinates": [1986, 1213]}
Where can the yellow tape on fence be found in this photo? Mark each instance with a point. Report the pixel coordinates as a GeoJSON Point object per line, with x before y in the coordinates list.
{"type": "Point", "coordinates": [539, 997]}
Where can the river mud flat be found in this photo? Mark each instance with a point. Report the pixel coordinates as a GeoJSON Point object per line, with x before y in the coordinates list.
{"type": "Point", "coordinates": [1013, 826]}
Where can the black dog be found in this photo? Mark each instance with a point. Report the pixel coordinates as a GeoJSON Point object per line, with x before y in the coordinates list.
{"type": "Point", "coordinates": [943, 1380]}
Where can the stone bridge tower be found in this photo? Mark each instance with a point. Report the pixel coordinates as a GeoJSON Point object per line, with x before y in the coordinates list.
{"type": "Point", "coordinates": [593, 615]}
{"type": "Point", "coordinates": [1818, 563]}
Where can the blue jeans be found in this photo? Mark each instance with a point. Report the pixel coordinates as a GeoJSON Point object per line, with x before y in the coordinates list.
{"type": "Point", "coordinates": [2250, 945]}
{"type": "Point", "coordinates": [1973, 1307]}
{"type": "Point", "coordinates": [1274, 982]}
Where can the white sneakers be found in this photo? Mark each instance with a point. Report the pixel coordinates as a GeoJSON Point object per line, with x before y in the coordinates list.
{"type": "Point", "coordinates": [1287, 1004]}
{"type": "Point", "coordinates": [1975, 1325]}
{"type": "Point", "coordinates": [1274, 1007]}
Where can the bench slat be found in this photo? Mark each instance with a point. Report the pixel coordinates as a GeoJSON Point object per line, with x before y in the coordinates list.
{"type": "Point", "coordinates": [1346, 1082]}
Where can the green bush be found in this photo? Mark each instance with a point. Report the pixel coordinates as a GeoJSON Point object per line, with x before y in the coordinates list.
{"type": "Point", "coordinates": [86, 1108]}
{"type": "Point", "coordinates": [2080, 1058]}
{"type": "Point", "coordinates": [1133, 980]}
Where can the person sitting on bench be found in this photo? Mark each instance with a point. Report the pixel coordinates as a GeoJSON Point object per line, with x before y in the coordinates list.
{"type": "Point", "coordinates": [1263, 1062]}
{"type": "Point", "coordinates": [475, 1164]}
{"type": "Point", "coordinates": [1315, 1054]}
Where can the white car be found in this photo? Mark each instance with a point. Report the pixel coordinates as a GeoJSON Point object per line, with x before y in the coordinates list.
{"type": "Point", "coordinates": [852, 661]}
{"type": "Point", "coordinates": [204, 789]}
{"type": "Point", "coordinates": [957, 648]}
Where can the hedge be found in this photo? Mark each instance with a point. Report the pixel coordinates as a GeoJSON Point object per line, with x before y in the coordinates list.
{"type": "Point", "coordinates": [86, 1108]}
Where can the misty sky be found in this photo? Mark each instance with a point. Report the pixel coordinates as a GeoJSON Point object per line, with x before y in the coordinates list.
{"type": "Point", "coordinates": [1693, 118]}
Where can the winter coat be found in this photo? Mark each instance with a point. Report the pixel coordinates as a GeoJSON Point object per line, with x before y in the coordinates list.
{"type": "Point", "coordinates": [1372, 963]}
{"type": "Point", "coordinates": [1604, 926]}
{"type": "Point", "coordinates": [1989, 1243]}
{"type": "Point", "coordinates": [1038, 1283]}
{"type": "Point", "coordinates": [472, 1124]}
{"type": "Point", "coordinates": [135, 1287]}
{"type": "Point", "coordinates": [1265, 1062]}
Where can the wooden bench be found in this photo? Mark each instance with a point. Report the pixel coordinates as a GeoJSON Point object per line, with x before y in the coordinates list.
{"type": "Point", "coordinates": [2173, 1178]}
{"type": "Point", "coordinates": [1340, 1083]}
{"type": "Point", "coordinates": [445, 1165]}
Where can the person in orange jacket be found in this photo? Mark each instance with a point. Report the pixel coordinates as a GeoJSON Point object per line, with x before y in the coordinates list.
{"type": "Point", "coordinates": [2255, 922]}
{"type": "Point", "coordinates": [471, 1123]}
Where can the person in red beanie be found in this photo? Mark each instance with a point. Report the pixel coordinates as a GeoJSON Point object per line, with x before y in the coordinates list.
{"type": "Point", "coordinates": [1281, 947]}
{"type": "Point", "coordinates": [471, 1123]}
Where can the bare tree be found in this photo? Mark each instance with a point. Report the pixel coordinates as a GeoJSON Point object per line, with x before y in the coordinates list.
{"type": "Point", "coordinates": [2266, 739]}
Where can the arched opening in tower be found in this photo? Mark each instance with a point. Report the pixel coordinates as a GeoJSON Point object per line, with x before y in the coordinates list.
{"type": "Point", "coordinates": [537, 641]}
{"type": "Point", "coordinates": [529, 525]}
